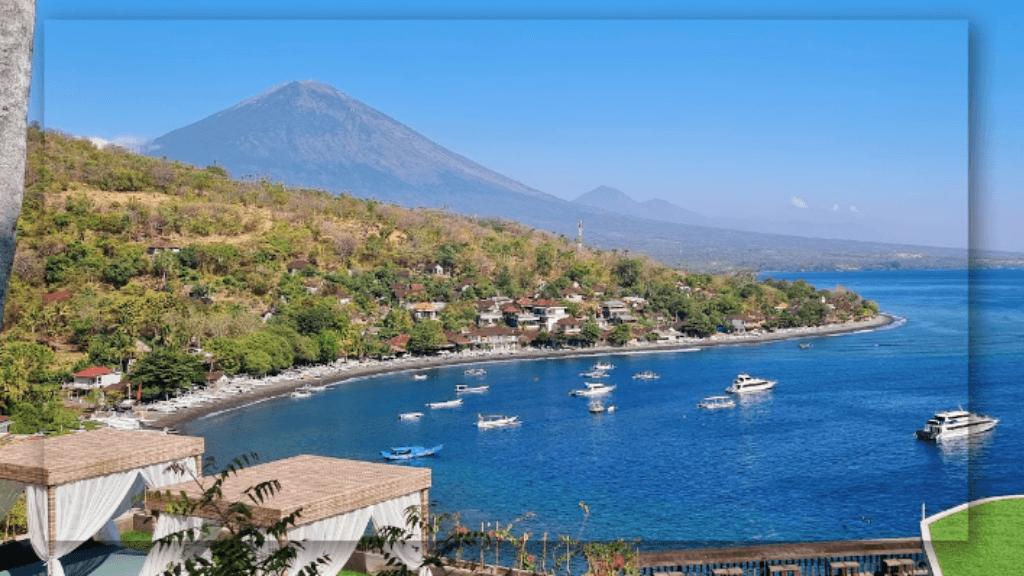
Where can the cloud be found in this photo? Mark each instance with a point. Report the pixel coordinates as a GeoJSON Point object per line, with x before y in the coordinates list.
{"type": "Point", "coordinates": [854, 209]}
{"type": "Point", "coordinates": [835, 207]}
{"type": "Point", "coordinates": [133, 143]}
{"type": "Point", "coordinates": [798, 202]}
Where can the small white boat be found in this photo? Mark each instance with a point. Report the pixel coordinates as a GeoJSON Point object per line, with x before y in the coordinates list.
{"type": "Point", "coordinates": [747, 383]}
{"type": "Point", "coordinates": [601, 365]}
{"type": "Point", "coordinates": [805, 345]}
{"type": "Point", "coordinates": [320, 388]}
{"type": "Point", "coordinates": [593, 389]}
{"type": "Point", "coordinates": [475, 372]}
{"type": "Point", "coordinates": [301, 393]}
{"type": "Point", "coordinates": [410, 415]}
{"type": "Point", "coordinates": [716, 402]}
{"type": "Point", "coordinates": [466, 389]}
{"type": "Point", "coordinates": [419, 376]}
{"type": "Point", "coordinates": [446, 404]}
{"type": "Point", "coordinates": [955, 424]}
{"type": "Point", "coordinates": [594, 374]}
{"type": "Point", "coordinates": [598, 407]}
{"type": "Point", "coordinates": [646, 375]}
{"type": "Point", "coordinates": [488, 421]}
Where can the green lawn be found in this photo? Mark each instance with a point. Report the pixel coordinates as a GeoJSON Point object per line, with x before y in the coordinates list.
{"type": "Point", "coordinates": [982, 540]}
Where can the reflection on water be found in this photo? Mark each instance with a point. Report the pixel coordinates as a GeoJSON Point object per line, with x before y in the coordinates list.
{"type": "Point", "coordinates": [961, 450]}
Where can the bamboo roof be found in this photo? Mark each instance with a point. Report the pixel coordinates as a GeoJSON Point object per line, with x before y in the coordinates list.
{"type": "Point", "coordinates": [323, 487]}
{"type": "Point", "coordinates": [64, 459]}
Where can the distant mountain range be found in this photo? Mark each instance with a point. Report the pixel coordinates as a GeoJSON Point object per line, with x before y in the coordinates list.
{"type": "Point", "coordinates": [309, 134]}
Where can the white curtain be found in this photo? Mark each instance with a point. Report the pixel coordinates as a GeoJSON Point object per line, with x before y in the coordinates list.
{"type": "Point", "coordinates": [152, 477]}
{"type": "Point", "coordinates": [83, 508]}
{"type": "Point", "coordinates": [336, 537]}
{"type": "Point", "coordinates": [9, 492]}
{"type": "Point", "coordinates": [160, 556]}
{"type": "Point", "coordinates": [392, 513]}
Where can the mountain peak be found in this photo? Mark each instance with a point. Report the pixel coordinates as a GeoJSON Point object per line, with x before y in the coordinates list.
{"type": "Point", "coordinates": [603, 194]}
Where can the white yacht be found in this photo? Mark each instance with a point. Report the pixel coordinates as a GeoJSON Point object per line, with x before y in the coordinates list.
{"type": "Point", "coordinates": [716, 402]}
{"type": "Point", "coordinates": [955, 424]}
{"type": "Point", "coordinates": [410, 415]}
{"type": "Point", "coordinates": [602, 365]}
{"type": "Point", "coordinates": [593, 389]}
{"type": "Point", "coordinates": [488, 421]}
{"type": "Point", "coordinates": [594, 374]}
{"type": "Point", "coordinates": [747, 383]}
{"type": "Point", "coordinates": [466, 389]}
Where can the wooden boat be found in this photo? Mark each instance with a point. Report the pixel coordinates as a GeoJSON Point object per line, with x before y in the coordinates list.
{"type": "Point", "coordinates": [410, 452]}
{"type": "Point", "coordinates": [466, 389]}
{"type": "Point", "coordinates": [301, 393]}
{"type": "Point", "coordinates": [486, 422]}
{"type": "Point", "coordinates": [716, 402]}
{"type": "Point", "coordinates": [410, 415]}
{"type": "Point", "coordinates": [446, 404]}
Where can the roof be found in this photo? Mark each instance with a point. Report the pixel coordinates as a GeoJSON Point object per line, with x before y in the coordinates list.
{"type": "Point", "coordinates": [63, 459]}
{"type": "Point", "coordinates": [57, 296]}
{"type": "Point", "coordinates": [93, 372]}
{"type": "Point", "coordinates": [298, 265]}
{"type": "Point", "coordinates": [323, 487]}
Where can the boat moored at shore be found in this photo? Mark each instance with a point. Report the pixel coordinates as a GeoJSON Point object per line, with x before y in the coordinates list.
{"type": "Point", "coordinates": [955, 424]}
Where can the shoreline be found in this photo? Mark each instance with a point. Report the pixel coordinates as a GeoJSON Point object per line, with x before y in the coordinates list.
{"type": "Point", "coordinates": [350, 371]}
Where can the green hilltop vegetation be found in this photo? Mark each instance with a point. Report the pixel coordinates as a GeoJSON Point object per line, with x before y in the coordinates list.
{"type": "Point", "coordinates": [124, 257]}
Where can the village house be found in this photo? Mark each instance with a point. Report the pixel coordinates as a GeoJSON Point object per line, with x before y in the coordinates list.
{"type": "Point", "coordinates": [569, 326]}
{"type": "Point", "coordinates": [95, 377]}
{"type": "Point", "coordinates": [296, 266]}
{"type": "Point", "coordinates": [493, 338]}
{"type": "Point", "coordinates": [426, 310]}
{"type": "Point", "coordinates": [549, 312]}
{"type": "Point", "coordinates": [750, 320]}
{"type": "Point", "coordinates": [616, 312]}
{"type": "Point", "coordinates": [162, 246]}
{"type": "Point", "coordinates": [573, 293]}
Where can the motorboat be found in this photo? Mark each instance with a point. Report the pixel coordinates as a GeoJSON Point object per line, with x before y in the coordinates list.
{"type": "Point", "coordinates": [746, 383]}
{"type": "Point", "coordinates": [475, 372]}
{"type": "Point", "coordinates": [955, 424]}
{"type": "Point", "coordinates": [594, 374]}
{"type": "Point", "coordinates": [488, 421]}
{"type": "Point", "coordinates": [446, 404]}
{"type": "Point", "coordinates": [598, 407]}
{"type": "Point", "coordinates": [593, 389]}
{"type": "Point", "coordinates": [646, 375]}
{"type": "Point", "coordinates": [602, 365]}
{"type": "Point", "coordinates": [320, 388]}
{"type": "Point", "coordinates": [419, 376]}
{"type": "Point", "coordinates": [410, 452]}
{"type": "Point", "coordinates": [805, 345]}
{"type": "Point", "coordinates": [410, 415]}
{"type": "Point", "coordinates": [466, 389]}
{"type": "Point", "coordinates": [716, 402]}
{"type": "Point", "coordinates": [301, 393]}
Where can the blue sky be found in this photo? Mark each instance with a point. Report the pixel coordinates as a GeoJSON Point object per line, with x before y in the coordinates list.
{"type": "Point", "coordinates": [748, 117]}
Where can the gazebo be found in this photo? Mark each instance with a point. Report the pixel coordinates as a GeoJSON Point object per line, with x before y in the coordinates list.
{"type": "Point", "coordinates": [338, 498]}
{"type": "Point", "coordinates": [77, 483]}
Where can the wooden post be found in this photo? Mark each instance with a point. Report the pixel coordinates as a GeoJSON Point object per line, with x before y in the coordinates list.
{"type": "Point", "coordinates": [424, 518]}
{"type": "Point", "coordinates": [51, 513]}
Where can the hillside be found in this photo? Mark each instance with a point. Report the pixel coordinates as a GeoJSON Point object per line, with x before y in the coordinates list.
{"type": "Point", "coordinates": [124, 257]}
{"type": "Point", "coordinates": [309, 134]}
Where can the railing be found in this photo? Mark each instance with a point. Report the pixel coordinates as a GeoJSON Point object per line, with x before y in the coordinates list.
{"type": "Point", "coordinates": [812, 558]}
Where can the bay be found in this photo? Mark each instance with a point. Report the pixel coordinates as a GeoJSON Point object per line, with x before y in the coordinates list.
{"type": "Point", "coordinates": [828, 454]}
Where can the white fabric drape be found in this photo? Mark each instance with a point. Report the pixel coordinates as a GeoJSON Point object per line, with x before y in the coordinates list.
{"type": "Point", "coordinates": [9, 492]}
{"type": "Point", "coordinates": [392, 513]}
{"type": "Point", "coordinates": [336, 537]}
{"type": "Point", "coordinates": [82, 508]}
{"type": "Point", "coordinates": [152, 477]}
{"type": "Point", "coordinates": [160, 556]}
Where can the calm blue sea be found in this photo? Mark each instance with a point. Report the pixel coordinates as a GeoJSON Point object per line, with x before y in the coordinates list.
{"type": "Point", "coordinates": [829, 454]}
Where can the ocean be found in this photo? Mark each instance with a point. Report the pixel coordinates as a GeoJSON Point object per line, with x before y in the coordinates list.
{"type": "Point", "coordinates": [829, 454]}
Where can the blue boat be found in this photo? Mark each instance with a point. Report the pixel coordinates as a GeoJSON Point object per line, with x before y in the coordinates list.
{"type": "Point", "coordinates": [410, 452]}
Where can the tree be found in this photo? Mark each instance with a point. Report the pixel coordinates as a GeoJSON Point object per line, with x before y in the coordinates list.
{"type": "Point", "coordinates": [590, 332]}
{"type": "Point", "coordinates": [628, 271]}
{"type": "Point", "coordinates": [17, 25]}
{"type": "Point", "coordinates": [166, 370]}
{"type": "Point", "coordinates": [620, 335]}
{"type": "Point", "coordinates": [426, 337]}
{"type": "Point", "coordinates": [243, 550]}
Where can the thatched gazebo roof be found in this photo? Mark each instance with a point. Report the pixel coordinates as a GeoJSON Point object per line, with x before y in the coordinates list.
{"type": "Point", "coordinates": [323, 487]}
{"type": "Point", "coordinates": [64, 459]}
